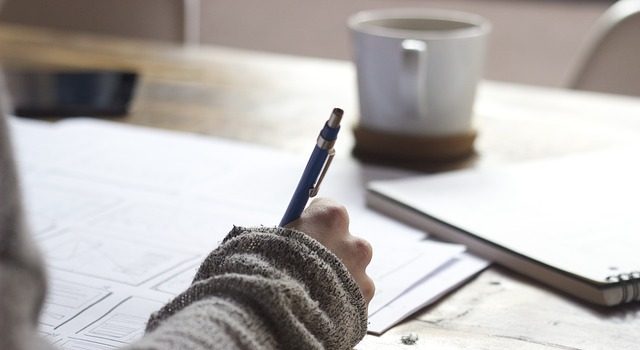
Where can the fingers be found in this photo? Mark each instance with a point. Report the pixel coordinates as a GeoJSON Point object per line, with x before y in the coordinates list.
{"type": "Point", "coordinates": [327, 214]}
{"type": "Point", "coordinates": [328, 222]}
{"type": "Point", "coordinates": [357, 257]}
{"type": "Point", "coordinates": [356, 254]}
{"type": "Point", "coordinates": [325, 220]}
{"type": "Point", "coordinates": [362, 251]}
{"type": "Point", "coordinates": [367, 287]}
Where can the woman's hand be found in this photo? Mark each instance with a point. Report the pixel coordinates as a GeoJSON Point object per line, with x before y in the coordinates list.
{"type": "Point", "coordinates": [328, 223]}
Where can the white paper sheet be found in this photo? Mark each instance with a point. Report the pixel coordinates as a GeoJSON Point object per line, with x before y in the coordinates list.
{"type": "Point", "coordinates": [441, 281]}
{"type": "Point", "coordinates": [124, 215]}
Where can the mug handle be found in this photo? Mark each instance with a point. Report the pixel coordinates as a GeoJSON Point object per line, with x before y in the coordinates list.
{"type": "Point", "coordinates": [413, 83]}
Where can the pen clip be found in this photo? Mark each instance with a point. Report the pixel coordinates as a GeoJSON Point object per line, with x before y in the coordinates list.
{"type": "Point", "coordinates": [313, 191]}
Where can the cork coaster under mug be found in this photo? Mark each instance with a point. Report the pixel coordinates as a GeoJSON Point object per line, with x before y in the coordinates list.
{"type": "Point", "coordinates": [372, 145]}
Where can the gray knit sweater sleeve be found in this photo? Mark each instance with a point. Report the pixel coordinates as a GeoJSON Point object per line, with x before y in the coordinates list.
{"type": "Point", "coordinates": [22, 277]}
{"type": "Point", "coordinates": [263, 288]}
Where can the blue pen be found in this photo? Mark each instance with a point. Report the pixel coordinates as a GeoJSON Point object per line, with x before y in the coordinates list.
{"type": "Point", "coordinates": [316, 168]}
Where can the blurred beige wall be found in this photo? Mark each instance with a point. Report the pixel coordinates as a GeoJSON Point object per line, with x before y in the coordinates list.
{"type": "Point", "coordinates": [150, 19]}
{"type": "Point", "coordinates": [533, 42]}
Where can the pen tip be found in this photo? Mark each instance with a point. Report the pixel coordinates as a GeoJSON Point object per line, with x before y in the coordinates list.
{"type": "Point", "coordinates": [338, 112]}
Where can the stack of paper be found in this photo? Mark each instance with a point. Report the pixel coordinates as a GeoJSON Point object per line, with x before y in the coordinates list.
{"type": "Point", "coordinates": [124, 216]}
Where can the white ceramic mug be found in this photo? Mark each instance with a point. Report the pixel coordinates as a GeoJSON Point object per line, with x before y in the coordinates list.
{"type": "Point", "coordinates": [418, 69]}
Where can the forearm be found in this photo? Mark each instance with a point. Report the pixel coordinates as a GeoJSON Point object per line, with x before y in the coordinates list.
{"type": "Point", "coordinates": [264, 289]}
{"type": "Point", "coordinates": [22, 280]}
